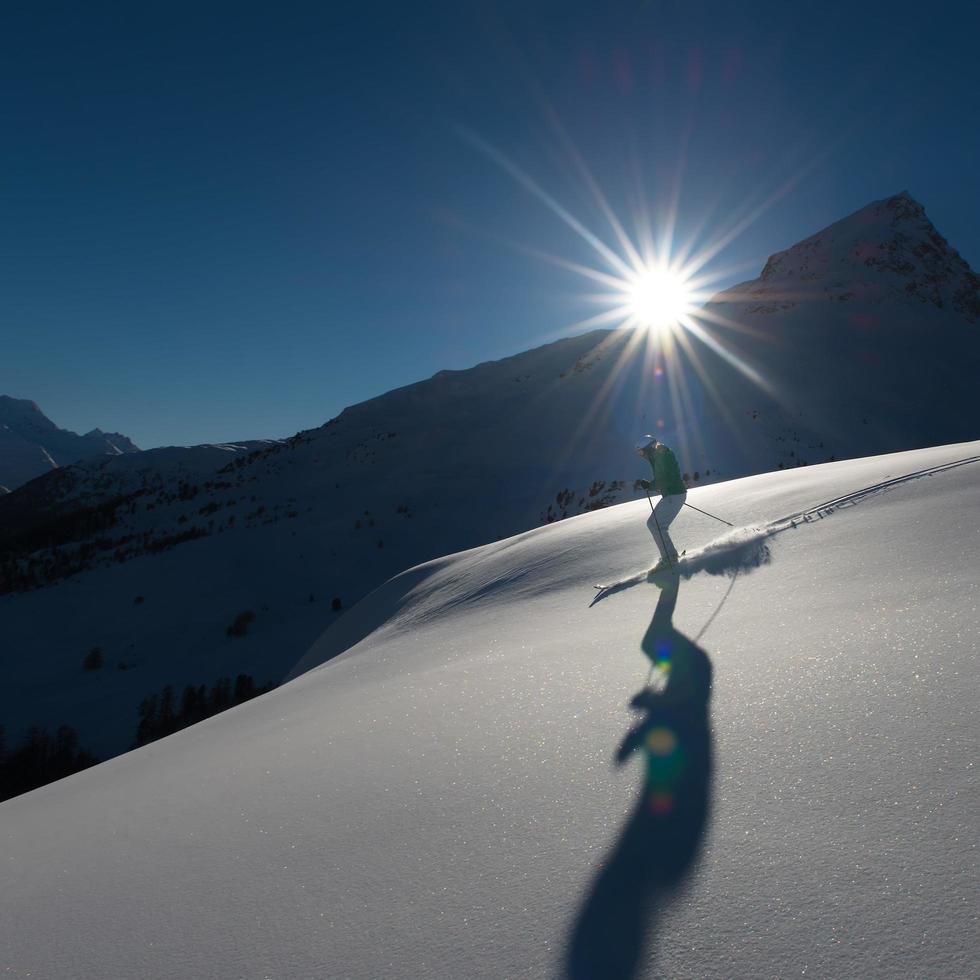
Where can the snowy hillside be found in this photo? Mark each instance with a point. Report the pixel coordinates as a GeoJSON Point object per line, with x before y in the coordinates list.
{"type": "Point", "coordinates": [864, 338]}
{"type": "Point", "coordinates": [31, 444]}
{"type": "Point", "coordinates": [441, 799]}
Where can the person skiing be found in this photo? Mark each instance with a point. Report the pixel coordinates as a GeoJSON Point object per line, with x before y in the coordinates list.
{"type": "Point", "coordinates": [668, 483]}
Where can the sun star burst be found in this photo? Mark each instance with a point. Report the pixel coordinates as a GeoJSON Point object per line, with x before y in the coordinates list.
{"type": "Point", "coordinates": [656, 292]}
{"type": "Point", "coordinates": [659, 298]}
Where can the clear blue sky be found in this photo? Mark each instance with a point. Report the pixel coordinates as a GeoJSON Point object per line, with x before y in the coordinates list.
{"type": "Point", "coordinates": [224, 221]}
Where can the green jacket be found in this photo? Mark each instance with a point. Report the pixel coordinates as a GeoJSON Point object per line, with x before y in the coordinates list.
{"type": "Point", "coordinates": [666, 473]}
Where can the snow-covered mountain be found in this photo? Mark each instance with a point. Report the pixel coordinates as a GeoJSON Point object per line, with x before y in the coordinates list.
{"type": "Point", "coordinates": [867, 333]}
{"type": "Point", "coordinates": [860, 340]}
{"type": "Point", "coordinates": [31, 444]}
{"type": "Point", "coordinates": [441, 799]}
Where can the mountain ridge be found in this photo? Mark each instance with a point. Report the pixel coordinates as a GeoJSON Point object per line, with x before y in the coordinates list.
{"type": "Point", "coordinates": [32, 445]}
{"type": "Point", "coordinates": [911, 247]}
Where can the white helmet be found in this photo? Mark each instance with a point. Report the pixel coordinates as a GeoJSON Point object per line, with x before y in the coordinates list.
{"type": "Point", "coordinates": [644, 445]}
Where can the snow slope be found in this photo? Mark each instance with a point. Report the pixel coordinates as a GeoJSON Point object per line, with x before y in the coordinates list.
{"type": "Point", "coordinates": [441, 800]}
{"type": "Point", "coordinates": [31, 444]}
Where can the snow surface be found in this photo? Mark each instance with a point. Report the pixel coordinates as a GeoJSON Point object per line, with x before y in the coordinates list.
{"type": "Point", "coordinates": [440, 799]}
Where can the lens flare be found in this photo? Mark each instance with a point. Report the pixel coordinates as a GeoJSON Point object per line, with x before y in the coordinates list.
{"type": "Point", "coordinates": [661, 741]}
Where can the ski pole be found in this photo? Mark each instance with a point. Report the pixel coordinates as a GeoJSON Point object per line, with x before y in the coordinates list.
{"type": "Point", "coordinates": [706, 514]}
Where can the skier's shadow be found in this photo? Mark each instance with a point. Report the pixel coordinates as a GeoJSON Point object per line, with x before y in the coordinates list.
{"type": "Point", "coordinates": [657, 847]}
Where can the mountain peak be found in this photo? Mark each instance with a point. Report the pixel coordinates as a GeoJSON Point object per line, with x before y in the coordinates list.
{"type": "Point", "coordinates": [18, 406]}
{"type": "Point", "coordinates": [890, 244]}
{"type": "Point", "coordinates": [31, 444]}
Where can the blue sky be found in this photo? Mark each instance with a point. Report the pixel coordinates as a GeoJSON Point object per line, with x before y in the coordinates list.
{"type": "Point", "coordinates": [224, 221]}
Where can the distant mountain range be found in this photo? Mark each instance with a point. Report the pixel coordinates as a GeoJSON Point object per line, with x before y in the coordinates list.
{"type": "Point", "coordinates": [862, 339]}
{"type": "Point", "coordinates": [31, 444]}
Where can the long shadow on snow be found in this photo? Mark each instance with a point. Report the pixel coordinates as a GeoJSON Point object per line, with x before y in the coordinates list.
{"type": "Point", "coordinates": [659, 844]}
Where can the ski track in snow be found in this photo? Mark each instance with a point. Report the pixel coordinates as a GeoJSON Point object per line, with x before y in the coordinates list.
{"type": "Point", "coordinates": [745, 548]}
{"type": "Point", "coordinates": [829, 506]}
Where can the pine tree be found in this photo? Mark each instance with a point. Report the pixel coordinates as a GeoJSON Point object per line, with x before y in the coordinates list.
{"type": "Point", "coordinates": [167, 721]}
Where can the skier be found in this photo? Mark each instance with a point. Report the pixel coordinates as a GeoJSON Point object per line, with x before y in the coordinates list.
{"type": "Point", "coordinates": [668, 483]}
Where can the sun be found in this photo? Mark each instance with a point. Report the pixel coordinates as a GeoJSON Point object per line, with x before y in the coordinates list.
{"type": "Point", "coordinates": [659, 298]}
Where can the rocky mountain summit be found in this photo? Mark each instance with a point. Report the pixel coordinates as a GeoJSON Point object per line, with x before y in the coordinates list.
{"type": "Point", "coordinates": [895, 243]}
{"type": "Point", "coordinates": [31, 444]}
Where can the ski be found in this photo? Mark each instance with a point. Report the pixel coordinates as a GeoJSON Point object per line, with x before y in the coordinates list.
{"type": "Point", "coordinates": [629, 580]}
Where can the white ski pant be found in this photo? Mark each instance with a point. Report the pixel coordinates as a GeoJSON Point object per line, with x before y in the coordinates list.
{"type": "Point", "coordinates": [666, 510]}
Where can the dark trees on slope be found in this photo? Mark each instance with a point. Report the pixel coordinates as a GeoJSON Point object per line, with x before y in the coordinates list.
{"type": "Point", "coordinates": [159, 714]}
{"type": "Point", "coordinates": [40, 759]}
